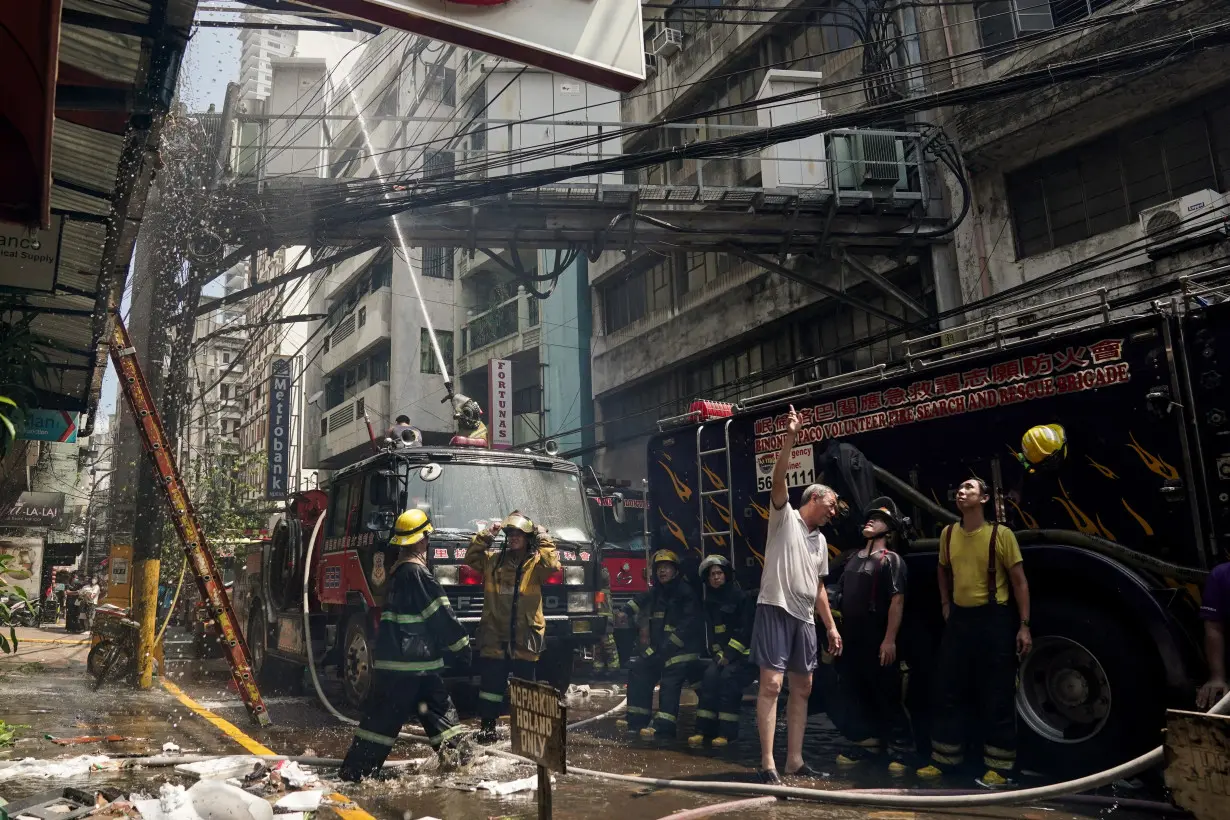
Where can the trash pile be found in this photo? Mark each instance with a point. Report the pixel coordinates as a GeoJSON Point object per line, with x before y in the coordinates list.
{"type": "Point", "coordinates": [227, 788]}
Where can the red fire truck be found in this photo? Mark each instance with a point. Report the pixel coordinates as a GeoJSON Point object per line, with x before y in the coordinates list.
{"type": "Point", "coordinates": [464, 489]}
{"type": "Point", "coordinates": [625, 551]}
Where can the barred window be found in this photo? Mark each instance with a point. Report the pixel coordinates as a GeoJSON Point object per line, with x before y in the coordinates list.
{"type": "Point", "coordinates": [438, 263]}
{"type": "Point", "coordinates": [427, 355]}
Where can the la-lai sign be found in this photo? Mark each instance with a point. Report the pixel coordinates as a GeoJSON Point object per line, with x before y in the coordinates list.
{"type": "Point", "coordinates": [598, 41]}
{"type": "Point", "coordinates": [537, 719]}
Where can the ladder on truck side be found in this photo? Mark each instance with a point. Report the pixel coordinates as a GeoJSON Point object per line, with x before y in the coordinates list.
{"type": "Point", "coordinates": [208, 581]}
{"type": "Point", "coordinates": [704, 411]}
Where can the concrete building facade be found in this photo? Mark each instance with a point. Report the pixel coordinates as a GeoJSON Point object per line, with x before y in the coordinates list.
{"type": "Point", "coordinates": [1056, 179]}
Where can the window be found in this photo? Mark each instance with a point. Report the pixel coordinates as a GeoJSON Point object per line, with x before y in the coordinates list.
{"type": "Point", "coordinates": [427, 356]}
{"type": "Point", "coordinates": [441, 85]}
{"type": "Point", "coordinates": [226, 357]}
{"type": "Point", "coordinates": [438, 165]}
{"type": "Point", "coordinates": [438, 263]}
{"type": "Point", "coordinates": [624, 302]}
{"type": "Point", "coordinates": [224, 391]}
{"type": "Point", "coordinates": [382, 273]}
{"type": "Point", "coordinates": [362, 316]}
{"type": "Point", "coordinates": [1105, 184]}
{"type": "Point", "coordinates": [379, 366]}
{"type": "Point", "coordinates": [360, 407]}
{"type": "Point", "coordinates": [342, 505]}
{"type": "Point", "coordinates": [1002, 21]}
{"type": "Point", "coordinates": [324, 427]}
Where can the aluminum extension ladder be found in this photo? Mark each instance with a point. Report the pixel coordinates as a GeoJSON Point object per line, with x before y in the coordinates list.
{"type": "Point", "coordinates": [722, 486]}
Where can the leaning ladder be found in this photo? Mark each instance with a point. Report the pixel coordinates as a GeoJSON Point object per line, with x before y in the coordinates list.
{"type": "Point", "coordinates": [728, 489]}
{"type": "Point", "coordinates": [208, 581]}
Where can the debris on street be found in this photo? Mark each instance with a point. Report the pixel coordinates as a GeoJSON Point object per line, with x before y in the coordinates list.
{"type": "Point", "coordinates": [77, 741]}
{"type": "Point", "coordinates": [29, 767]}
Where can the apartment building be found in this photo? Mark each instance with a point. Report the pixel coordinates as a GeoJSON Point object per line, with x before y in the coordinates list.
{"type": "Point", "coordinates": [669, 328]}
{"type": "Point", "coordinates": [394, 104]}
{"type": "Point", "coordinates": [1055, 178]}
{"type": "Point", "coordinates": [1106, 170]}
{"type": "Point", "coordinates": [210, 433]}
{"type": "Point", "coordinates": [257, 49]}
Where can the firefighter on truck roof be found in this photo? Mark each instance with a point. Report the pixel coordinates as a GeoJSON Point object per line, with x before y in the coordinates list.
{"type": "Point", "coordinates": [512, 632]}
{"type": "Point", "coordinates": [417, 628]}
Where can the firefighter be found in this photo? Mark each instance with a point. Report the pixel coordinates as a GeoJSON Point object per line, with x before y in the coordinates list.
{"type": "Point", "coordinates": [417, 628]}
{"type": "Point", "coordinates": [873, 584]}
{"type": "Point", "coordinates": [606, 654]}
{"type": "Point", "coordinates": [1043, 447]}
{"type": "Point", "coordinates": [977, 663]}
{"type": "Point", "coordinates": [512, 631]}
{"type": "Point", "coordinates": [729, 614]}
{"type": "Point", "coordinates": [670, 615]}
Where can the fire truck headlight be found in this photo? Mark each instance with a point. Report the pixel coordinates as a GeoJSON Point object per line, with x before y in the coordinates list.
{"type": "Point", "coordinates": [445, 575]}
{"type": "Point", "coordinates": [574, 576]}
{"type": "Point", "coordinates": [580, 602]}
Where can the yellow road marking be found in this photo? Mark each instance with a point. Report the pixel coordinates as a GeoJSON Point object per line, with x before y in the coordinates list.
{"type": "Point", "coordinates": [64, 641]}
{"type": "Point", "coordinates": [225, 726]}
{"type": "Point", "coordinates": [343, 806]}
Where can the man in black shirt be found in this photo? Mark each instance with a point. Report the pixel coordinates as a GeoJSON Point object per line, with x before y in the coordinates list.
{"type": "Point", "coordinates": [873, 586]}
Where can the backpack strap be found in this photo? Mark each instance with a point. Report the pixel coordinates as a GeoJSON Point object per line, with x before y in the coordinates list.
{"type": "Point", "coordinates": [946, 558]}
{"type": "Point", "coordinates": [992, 581]}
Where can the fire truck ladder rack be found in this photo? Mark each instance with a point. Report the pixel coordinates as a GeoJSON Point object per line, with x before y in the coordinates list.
{"type": "Point", "coordinates": [721, 486]}
{"type": "Point", "coordinates": [162, 460]}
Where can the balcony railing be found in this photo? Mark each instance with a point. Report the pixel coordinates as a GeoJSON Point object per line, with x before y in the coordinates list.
{"type": "Point", "coordinates": [507, 328]}
{"type": "Point", "coordinates": [490, 327]}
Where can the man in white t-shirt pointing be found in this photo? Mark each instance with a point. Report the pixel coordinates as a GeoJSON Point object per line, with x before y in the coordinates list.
{"type": "Point", "coordinates": [796, 560]}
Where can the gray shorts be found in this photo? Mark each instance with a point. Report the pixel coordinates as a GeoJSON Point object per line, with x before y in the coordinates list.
{"type": "Point", "coordinates": [782, 642]}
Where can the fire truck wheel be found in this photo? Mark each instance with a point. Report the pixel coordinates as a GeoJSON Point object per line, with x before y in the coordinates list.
{"type": "Point", "coordinates": [1085, 699]}
{"type": "Point", "coordinates": [357, 661]}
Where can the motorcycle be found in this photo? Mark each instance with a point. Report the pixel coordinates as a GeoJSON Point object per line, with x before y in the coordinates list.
{"type": "Point", "coordinates": [20, 612]}
{"type": "Point", "coordinates": [51, 610]}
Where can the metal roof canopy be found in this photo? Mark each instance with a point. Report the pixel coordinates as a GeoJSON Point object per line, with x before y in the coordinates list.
{"type": "Point", "coordinates": [118, 64]}
{"type": "Point", "coordinates": [598, 41]}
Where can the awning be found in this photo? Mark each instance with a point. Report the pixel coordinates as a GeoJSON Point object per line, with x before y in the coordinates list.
{"type": "Point", "coordinates": [118, 63]}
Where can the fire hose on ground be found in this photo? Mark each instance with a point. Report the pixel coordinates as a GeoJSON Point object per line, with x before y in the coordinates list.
{"type": "Point", "coordinates": [901, 799]}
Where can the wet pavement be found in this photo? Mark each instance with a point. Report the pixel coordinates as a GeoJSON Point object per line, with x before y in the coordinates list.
{"type": "Point", "coordinates": [45, 687]}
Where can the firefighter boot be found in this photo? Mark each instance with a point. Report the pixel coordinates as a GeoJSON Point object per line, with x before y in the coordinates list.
{"type": "Point", "coordinates": [486, 732]}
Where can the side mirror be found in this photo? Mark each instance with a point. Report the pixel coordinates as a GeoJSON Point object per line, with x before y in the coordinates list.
{"type": "Point", "coordinates": [381, 520]}
{"type": "Point", "coordinates": [430, 472]}
{"type": "Point", "coordinates": [617, 507]}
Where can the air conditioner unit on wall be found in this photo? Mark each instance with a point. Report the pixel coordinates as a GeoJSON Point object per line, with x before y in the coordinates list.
{"type": "Point", "coordinates": [1195, 219]}
{"type": "Point", "coordinates": [668, 41]}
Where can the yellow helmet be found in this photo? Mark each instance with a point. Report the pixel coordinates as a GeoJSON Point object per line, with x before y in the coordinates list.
{"type": "Point", "coordinates": [410, 528]}
{"type": "Point", "coordinates": [517, 521]}
{"type": "Point", "coordinates": [665, 555]}
{"type": "Point", "coordinates": [1044, 445]}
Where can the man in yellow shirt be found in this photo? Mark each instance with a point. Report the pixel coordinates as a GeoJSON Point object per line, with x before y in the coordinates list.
{"type": "Point", "coordinates": [978, 659]}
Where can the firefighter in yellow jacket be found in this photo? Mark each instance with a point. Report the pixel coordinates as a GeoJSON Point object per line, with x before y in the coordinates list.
{"type": "Point", "coordinates": [513, 630]}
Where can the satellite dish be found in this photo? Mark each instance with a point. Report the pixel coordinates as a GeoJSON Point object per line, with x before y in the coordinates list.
{"type": "Point", "coordinates": [315, 397]}
{"type": "Point", "coordinates": [430, 472]}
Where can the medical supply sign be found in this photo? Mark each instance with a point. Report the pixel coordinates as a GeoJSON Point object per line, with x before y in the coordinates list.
{"type": "Point", "coordinates": [1011, 381]}
{"type": "Point", "coordinates": [537, 719]}
{"type": "Point", "coordinates": [277, 468]}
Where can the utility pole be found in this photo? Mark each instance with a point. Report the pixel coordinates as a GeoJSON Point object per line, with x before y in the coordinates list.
{"type": "Point", "coordinates": [175, 300]}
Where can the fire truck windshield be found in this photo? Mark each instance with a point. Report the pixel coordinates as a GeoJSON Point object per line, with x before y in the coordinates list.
{"type": "Point", "coordinates": [470, 497]}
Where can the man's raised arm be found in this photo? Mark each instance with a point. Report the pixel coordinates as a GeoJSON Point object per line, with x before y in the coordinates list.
{"type": "Point", "coordinates": [780, 494]}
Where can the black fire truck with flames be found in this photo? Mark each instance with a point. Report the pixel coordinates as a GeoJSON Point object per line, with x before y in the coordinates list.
{"type": "Point", "coordinates": [1117, 536]}
{"type": "Point", "coordinates": [464, 487]}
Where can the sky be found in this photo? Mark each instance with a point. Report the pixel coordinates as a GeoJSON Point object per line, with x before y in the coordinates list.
{"type": "Point", "coordinates": [211, 61]}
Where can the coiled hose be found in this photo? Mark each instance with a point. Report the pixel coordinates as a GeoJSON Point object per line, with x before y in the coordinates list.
{"type": "Point", "coordinates": [848, 797]}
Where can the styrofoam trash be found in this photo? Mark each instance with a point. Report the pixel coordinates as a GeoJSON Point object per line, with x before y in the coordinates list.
{"type": "Point", "coordinates": [222, 768]}
{"type": "Point", "coordinates": [47, 769]}
{"type": "Point", "coordinates": [301, 801]}
{"type": "Point", "coordinates": [525, 784]}
{"type": "Point", "coordinates": [206, 800]}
